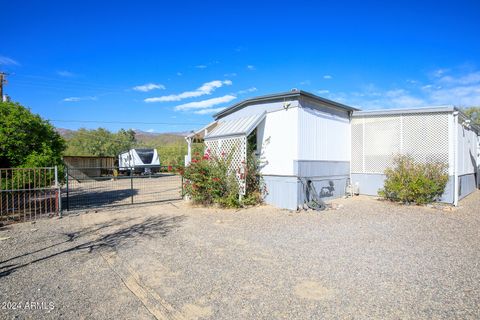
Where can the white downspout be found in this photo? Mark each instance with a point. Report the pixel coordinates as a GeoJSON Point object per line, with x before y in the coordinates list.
{"type": "Point", "coordinates": [455, 158]}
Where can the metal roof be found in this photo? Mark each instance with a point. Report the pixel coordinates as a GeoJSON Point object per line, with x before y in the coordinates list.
{"type": "Point", "coordinates": [278, 96]}
{"type": "Point", "coordinates": [236, 127]}
{"type": "Point", "coordinates": [199, 134]}
{"type": "Point", "coordinates": [382, 112]}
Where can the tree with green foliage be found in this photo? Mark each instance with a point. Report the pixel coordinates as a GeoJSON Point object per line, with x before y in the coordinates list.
{"type": "Point", "coordinates": [100, 142]}
{"type": "Point", "coordinates": [27, 140]}
{"type": "Point", "coordinates": [473, 113]}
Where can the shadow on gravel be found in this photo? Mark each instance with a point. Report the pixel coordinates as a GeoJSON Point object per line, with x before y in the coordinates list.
{"type": "Point", "coordinates": [72, 236]}
{"type": "Point", "coordinates": [153, 227]}
{"type": "Point", "coordinates": [87, 199]}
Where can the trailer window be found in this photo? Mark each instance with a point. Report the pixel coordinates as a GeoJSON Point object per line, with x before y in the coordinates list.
{"type": "Point", "coordinates": [145, 155]}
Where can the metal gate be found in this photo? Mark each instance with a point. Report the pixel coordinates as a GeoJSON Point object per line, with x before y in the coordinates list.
{"type": "Point", "coordinates": [28, 193]}
{"type": "Point", "coordinates": [99, 187]}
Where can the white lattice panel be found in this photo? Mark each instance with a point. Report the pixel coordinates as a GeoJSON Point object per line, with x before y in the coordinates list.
{"type": "Point", "coordinates": [382, 141]}
{"type": "Point", "coordinates": [425, 137]}
{"type": "Point", "coordinates": [237, 148]}
{"type": "Point", "coordinates": [357, 145]}
{"type": "Point", "coordinates": [376, 139]}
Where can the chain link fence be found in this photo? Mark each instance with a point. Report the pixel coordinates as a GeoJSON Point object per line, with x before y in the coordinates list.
{"type": "Point", "coordinates": [99, 187]}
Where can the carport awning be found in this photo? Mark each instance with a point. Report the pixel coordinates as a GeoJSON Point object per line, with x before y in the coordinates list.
{"type": "Point", "coordinates": [236, 127]}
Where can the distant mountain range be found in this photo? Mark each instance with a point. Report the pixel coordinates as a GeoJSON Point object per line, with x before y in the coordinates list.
{"type": "Point", "coordinates": [156, 134]}
{"type": "Point", "coordinates": [141, 136]}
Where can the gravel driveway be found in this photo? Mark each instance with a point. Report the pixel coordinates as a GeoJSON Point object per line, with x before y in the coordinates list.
{"type": "Point", "coordinates": [368, 259]}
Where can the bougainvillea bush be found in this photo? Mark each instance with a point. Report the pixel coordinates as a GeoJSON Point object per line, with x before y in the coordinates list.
{"type": "Point", "coordinates": [411, 182]}
{"type": "Point", "coordinates": [208, 181]}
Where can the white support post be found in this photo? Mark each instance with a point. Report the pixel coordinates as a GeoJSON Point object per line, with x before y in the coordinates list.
{"type": "Point", "coordinates": [188, 157]}
{"type": "Point", "coordinates": [455, 158]}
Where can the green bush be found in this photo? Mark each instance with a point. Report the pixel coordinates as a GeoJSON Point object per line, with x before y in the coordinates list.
{"type": "Point", "coordinates": [412, 182]}
{"type": "Point", "coordinates": [208, 180]}
{"type": "Point", "coordinates": [26, 139]}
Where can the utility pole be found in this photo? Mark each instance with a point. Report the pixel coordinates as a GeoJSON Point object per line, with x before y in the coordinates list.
{"type": "Point", "coordinates": [3, 79]}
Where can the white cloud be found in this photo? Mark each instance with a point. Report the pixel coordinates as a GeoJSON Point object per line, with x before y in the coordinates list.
{"type": "Point", "coordinates": [323, 91]}
{"type": "Point", "coordinates": [305, 83]}
{"type": "Point", "coordinates": [473, 77]}
{"type": "Point", "coordinates": [460, 90]}
{"type": "Point", "coordinates": [251, 67]}
{"type": "Point", "coordinates": [205, 104]}
{"type": "Point", "coordinates": [445, 87]}
{"type": "Point", "coordinates": [439, 72]}
{"type": "Point", "coordinates": [400, 98]}
{"type": "Point", "coordinates": [327, 77]}
{"type": "Point", "coordinates": [149, 87]}
{"type": "Point", "coordinates": [151, 130]}
{"type": "Point", "coordinates": [459, 95]}
{"type": "Point", "coordinates": [179, 74]}
{"type": "Point", "coordinates": [77, 99]}
{"type": "Point", "coordinates": [66, 74]}
{"type": "Point", "coordinates": [205, 89]}
{"type": "Point", "coordinates": [201, 66]}
{"type": "Point", "coordinates": [6, 61]}
{"type": "Point", "coordinates": [209, 111]}
{"type": "Point", "coordinates": [249, 90]}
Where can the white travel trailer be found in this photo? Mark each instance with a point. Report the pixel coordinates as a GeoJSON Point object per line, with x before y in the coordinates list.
{"type": "Point", "coordinates": [138, 159]}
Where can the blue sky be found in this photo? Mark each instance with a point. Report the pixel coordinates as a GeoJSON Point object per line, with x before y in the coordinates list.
{"type": "Point", "coordinates": [167, 66]}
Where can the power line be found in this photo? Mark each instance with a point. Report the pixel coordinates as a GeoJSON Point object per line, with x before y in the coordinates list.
{"type": "Point", "coordinates": [36, 80]}
{"type": "Point", "coordinates": [130, 122]}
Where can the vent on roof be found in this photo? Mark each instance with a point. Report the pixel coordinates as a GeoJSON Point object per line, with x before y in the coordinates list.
{"type": "Point", "coordinates": [294, 90]}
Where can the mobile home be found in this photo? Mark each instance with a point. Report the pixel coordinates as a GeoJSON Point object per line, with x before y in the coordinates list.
{"type": "Point", "coordinates": [301, 137]}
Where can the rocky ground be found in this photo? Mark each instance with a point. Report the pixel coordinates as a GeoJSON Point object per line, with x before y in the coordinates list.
{"type": "Point", "coordinates": [366, 259]}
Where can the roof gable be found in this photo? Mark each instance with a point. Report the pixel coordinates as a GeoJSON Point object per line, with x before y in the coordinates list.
{"type": "Point", "coordinates": [286, 96]}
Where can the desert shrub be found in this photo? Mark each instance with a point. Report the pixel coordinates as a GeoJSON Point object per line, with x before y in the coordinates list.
{"type": "Point", "coordinates": [208, 180]}
{"type": "Point", "coordinates": [412, 182]}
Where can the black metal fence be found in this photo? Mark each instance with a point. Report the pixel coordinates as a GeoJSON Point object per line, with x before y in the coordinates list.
{"type": "Point", "coordinates": [98, 187]}
{"type": "Point", "coordinates": [28, 193]}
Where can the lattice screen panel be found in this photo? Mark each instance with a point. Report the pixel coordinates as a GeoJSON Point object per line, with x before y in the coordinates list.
{"type": "Point", "coordinates": [425, 137]}
{"type": "Point", "coordinates": [237, 148]}
{"type": "Point", "coordinates": [376, 139]}
{"type": "Point", "coordinates": [357, 145]}
{"type": "Point", "coordinates": [382, 140]}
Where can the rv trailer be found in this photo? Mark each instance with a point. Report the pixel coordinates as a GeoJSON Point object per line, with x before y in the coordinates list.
{"type": "Point", "coordinates": [138, 160]}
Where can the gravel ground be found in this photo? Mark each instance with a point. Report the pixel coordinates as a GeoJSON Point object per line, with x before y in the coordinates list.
{"type": "Point", "coordinates": [368, 259]}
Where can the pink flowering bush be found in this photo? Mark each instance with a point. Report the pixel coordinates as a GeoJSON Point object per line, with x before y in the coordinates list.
{"type": "Point", "coordinates": [208, 181]}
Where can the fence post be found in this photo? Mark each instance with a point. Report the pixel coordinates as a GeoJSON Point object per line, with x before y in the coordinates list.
{"type": "Point", "coordinates": [58, 192]}
{"type": "Point", "coordinates": [183, 191]}
{"type": "Point", "coordinates": [131, 183]}
{"type": "Point", "coordinates": [68, 194]}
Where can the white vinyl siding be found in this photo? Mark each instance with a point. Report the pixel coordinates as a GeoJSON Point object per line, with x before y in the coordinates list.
{"type": "Point", "coordinates": [323, 136]}
{"type": "Point", "coordinates": [277, 141]}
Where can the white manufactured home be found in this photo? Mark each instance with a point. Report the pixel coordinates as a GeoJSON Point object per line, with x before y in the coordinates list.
{"type": "Point", "coordinates": [301, 137]}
